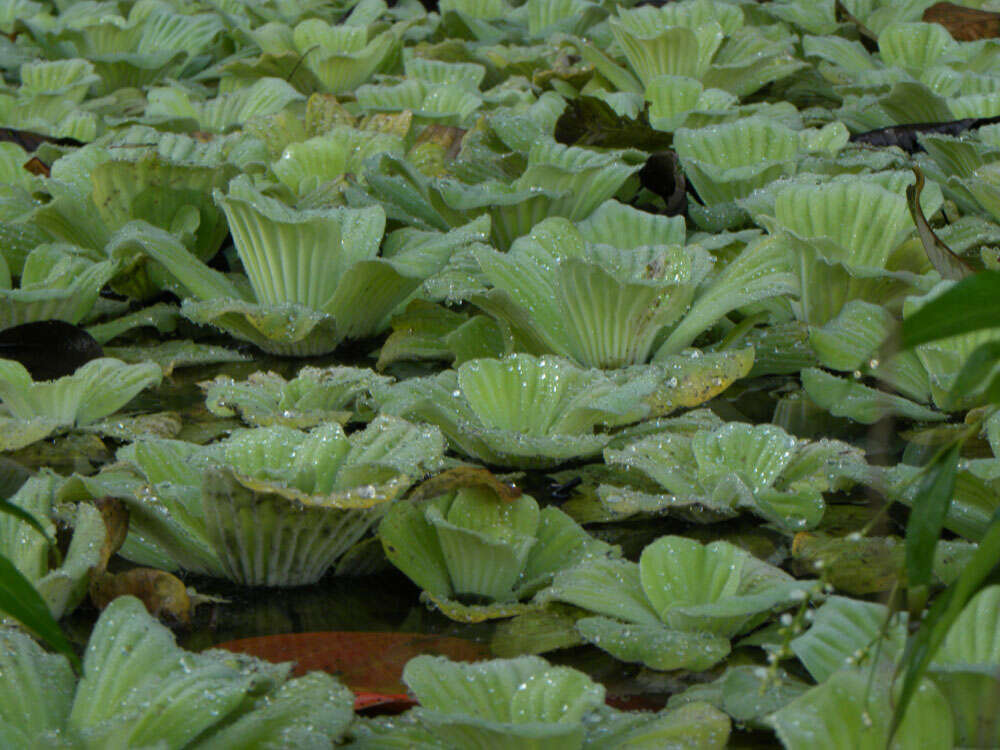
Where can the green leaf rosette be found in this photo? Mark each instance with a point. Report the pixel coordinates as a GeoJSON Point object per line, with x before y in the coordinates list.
{"type": "Point", "coordinates": [271, 506]}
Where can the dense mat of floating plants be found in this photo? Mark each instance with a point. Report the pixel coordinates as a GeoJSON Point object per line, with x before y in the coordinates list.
{"type": "Point", "coordinates": [629, 249]}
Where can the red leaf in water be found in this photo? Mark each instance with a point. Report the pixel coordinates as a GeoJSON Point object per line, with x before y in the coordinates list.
{"type": "Point", "coordinates": [370, 664]}
{"type": "Point", "coordinates": [964, 24]}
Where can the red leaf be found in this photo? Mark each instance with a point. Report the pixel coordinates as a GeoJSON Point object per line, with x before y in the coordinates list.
{"type": "Point", "coordinates": [370, 664]}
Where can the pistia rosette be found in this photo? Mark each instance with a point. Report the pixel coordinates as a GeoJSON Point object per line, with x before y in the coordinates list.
{"type": "Point", "coordinates": [729, 161]}
{"type": "Point", "coordinates": [165, 179]}
{"type": "Point", "coordinates": [63, 586]}
{"type": "Point", "coordinates": [54, 285]}
{"type": "Point", "coordinates": [139, 689]}
{"type": "Point", "coordinates": [31, 410]}
{"type": "Point", "coordinates": [272, 506]}
{"type": "Point", "coordinates": [852, 650]}
{"type": "Point", "coordinates": [315, 276]}
{"type": "Point", "coordinates": [313, 396]}
{"type": "Point", "coordinates": [609, 306]}
{"type": "Point", "coordinates": [679, 606]}
{"type": "Point", "coordinates": [536, 412]}
{"type": "Point", "coordinates": [340, 56]}
{"type": "Point", "coordinates": [528, 703]}
{"type": "Point", "coordinates": [133, 51]}
{"type": "Point", "coordinates": [722, 469]}
{"type": "Point", "coordinates": [478, 554]}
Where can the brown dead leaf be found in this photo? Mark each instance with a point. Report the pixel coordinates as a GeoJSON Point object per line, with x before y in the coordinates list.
{"type": "Point", "coordinates": [115, 516]}
{"type": "Point", "coordinates": [447, 137]}
{"type": "Point", "coordinates": [164, 595]}
{"type": "Point", "coordinates": [964, 24]}
{"type": "Point", "coordinates": [867, 37]}
{"type": "Point", "coordinates": [37, 167]}
{"type": "Point", "coordinates": [943, 258]}
{"type": "Point", "coordinates": [29, 140]}
{"type": "Point", "coordinates": [465, 476]}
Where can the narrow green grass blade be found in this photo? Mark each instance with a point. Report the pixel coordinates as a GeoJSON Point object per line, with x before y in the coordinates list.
{"type": "Point", "coordinates": [928, 514]}
{"type": "Point", "coordinates": [922, 645]}
{"type": "Point", "coordinates": [19, 599]}
{"type": "Point", "coordinates": [971, 305]}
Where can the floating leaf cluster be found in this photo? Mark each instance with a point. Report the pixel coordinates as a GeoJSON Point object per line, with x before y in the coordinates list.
{"type": "Point", "coordinates": [653, 257]}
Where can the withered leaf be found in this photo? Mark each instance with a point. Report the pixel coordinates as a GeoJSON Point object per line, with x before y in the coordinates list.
{"type": "Point", "coordinates": [905, 136]}
{"type": "Point", "coordinates": [30, 140]}
{"type": "Point", "coordinates": [164, 595]}
{"type": "Point", "coordinates": [964, 24]}
{"type": "Point", "coordinates": [947, 263]}
{"type": "Point", "coordinates": [465, 476]}
{"type": "Point", "coordinates": [37, 167]}
{"type": "Point", "coordinates": [115, 516]}
{"type": "Point", "coordinates": [447, 137]}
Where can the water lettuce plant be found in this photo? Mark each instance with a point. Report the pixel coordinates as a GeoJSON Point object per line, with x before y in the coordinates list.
{"type": "Point", "coordinates": [315, 395]}
{"type": "Point", "coordinates": [270, 506]}
{"type": "Point", "coordinates": [729, 161]}
{"type": "Point", "coordinates": [838, 651]}
{"type": "Point", "coordinates": [541, 231]}
{"type": "Point", "coordinates": [679, 606]}
{"type": "Point", "coordinates": [31, 410]}
{"type": "Point", "coordinates": [54, 285]}
{"type": "Point", "coordinates": [61, 586]}
{"type": "Point", "coordinates": [607, 306]}
{"type": "Point", "coordinates": [724, 468]}
{"type": "Point", "coordinates": [139, 689]}
{"type": "Point", "coordinates": [526, 702]}
{"type": "Point", "coordinates": [472, 545]}
{"type": "Point", "coordinates": [315, 275]}
{"type": "Point", "coordinates": [164, 179]}
{"type": "Point", "coordinates": [534, 412]}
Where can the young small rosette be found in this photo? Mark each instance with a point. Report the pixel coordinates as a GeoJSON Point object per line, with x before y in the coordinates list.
{"type": "Point", "coordinates": [272, 506]}
{"type": "Point", "coordinates": [726, 468]}
{"type": "Point", "coordinates": [679, 606]}
{"type": "Point", "coordinates": [315, 276]}
{"type": "Point", "coordinates": [49, 99]}
{"type": "Point", "coordinates": [226, 111]}
{"type": "Point", "coordinates": [472, 543]}
{"type": "Point", "coordinates": [313, 396]}
{"type": "Point", "coordinates": [537, 412]}
{"type": "Point", "coordinates": [131, 51]}
{"type": "Point", "coordinates": [64, 586]}
{"type": "Point", "coordinates": [31, 410]}
{"type": "Point", "coordinates": [339, 56]}
{"type": "Point", "coordinates": [139, 689]}
{"type": "Point", "coordinates": [558, 180]}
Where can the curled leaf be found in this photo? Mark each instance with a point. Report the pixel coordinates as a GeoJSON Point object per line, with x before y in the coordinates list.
{"type": "Point", "coordinates": [164, 595]}
{"type": "Point", "coordinates": [944, 259]}
{"type": "Point", "coordinates": [465, 476]}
